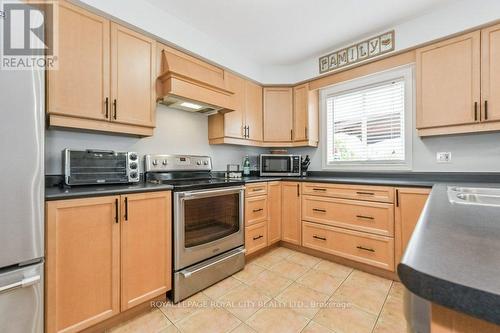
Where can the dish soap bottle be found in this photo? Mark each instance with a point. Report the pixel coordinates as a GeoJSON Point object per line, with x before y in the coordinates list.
{"type": "Point", "coordinates": [246, 166]}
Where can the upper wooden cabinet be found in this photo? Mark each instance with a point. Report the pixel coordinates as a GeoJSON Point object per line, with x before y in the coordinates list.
{"type": "Point", "coordinates": [132, 77]}
{"type": "Point", "coordinates": [409, 205]}
{"type": "Point", "coordinates": [490, 73]}
{"type": "Point", "coordinates": [278, 114]}
{"type": "Point", "coordinates": [305, 115]}
{"type": "Point", "coordinates": [80, 86]}
{"type": "Point", "coordinates": [244, 124]}
{"type": "Point", "coordinates": [100, 63]}
{"type": "Point", "coordinates": [104, 251]}
{"type": "Point", "coordinates": [457, 80]}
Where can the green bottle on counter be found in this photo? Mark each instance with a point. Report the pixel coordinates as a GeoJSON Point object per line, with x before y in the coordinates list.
{"type": "Point", "coordinates": [246, 166]}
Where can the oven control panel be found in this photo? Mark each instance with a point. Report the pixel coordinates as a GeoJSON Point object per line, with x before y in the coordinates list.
{"type": "Point", "coordinates": [166, 163]}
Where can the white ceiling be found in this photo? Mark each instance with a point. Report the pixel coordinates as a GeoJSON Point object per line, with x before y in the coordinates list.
{"type": "Point", "coordinates": [285, 32]}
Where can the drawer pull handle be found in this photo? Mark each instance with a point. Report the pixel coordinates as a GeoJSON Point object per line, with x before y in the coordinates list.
{"type": "Point", "coordinates": [365, 217]}
{"type": "Point", "coordinates": [319, 210]}
{"type": "Point", "coordinates": [258, 210]}
{"type": "Point", "coordinates": [320, 238]}
{"type": "Point", "coordinates": [365, 193]}
{"type": "Point", "coordinates": [319, 189]}
{"type": "Point", "coordinates": [365, 249]}
{"type": "Point", "coordinates": [258, 237]}
{"type": "Point", "coordinates": [257, 189]}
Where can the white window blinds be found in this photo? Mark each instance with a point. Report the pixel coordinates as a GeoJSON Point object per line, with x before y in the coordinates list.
{"type": "Point", "coordinates": [367, 124]}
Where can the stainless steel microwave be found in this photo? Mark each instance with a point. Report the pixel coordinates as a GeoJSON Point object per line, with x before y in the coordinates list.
{"type": "Point", "coordinates": [279, 165]}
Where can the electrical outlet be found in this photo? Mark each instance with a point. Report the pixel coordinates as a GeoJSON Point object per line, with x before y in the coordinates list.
{"type": "Point", "coordinates": [443, 157]}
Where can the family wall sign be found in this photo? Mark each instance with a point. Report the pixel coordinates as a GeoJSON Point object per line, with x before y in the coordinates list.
{"type": "Point", "coordinates": [361, 51]}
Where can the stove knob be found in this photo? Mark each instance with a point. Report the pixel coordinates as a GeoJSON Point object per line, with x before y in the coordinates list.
{"type": "Point", "coordinates": [133, 156]}
{"type": "Point", "coordinates": [164, 162]}
{"type": "Point", "coordinates": [198, 162]}
{"type": "Point", "coordinates": [133, 175]}
{"type": "Point", "coordinates": [205, 162]}
{"type": "Point", "coordinates": [155, 162]}
{"type": "Point", "coordinates": [133, 165]}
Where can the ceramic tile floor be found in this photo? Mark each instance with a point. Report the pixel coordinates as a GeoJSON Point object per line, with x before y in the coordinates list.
{"type": "Point", "coordinates": [284, 291]}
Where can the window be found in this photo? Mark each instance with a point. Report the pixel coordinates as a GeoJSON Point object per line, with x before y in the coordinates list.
{"type": "Point", "coordinates": [367, 122]}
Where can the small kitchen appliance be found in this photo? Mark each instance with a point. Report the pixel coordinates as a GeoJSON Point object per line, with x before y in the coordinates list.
{"type": "Point", "coordinates": [280, 165]}
{"type": "Point", "coordinates": [95, 166]}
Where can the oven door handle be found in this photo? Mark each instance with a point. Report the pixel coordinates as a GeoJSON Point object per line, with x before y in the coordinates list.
{"type": "Point", "coordinates": [187, 272]}
{"type": "Point", "coordinates": [205, 193]}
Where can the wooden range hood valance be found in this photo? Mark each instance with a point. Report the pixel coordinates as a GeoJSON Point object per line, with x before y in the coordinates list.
{"type": "Point", "coordinates": [189, 84]}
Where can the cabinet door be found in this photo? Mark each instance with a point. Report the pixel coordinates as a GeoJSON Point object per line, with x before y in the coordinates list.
{"type": "Point", "coordinates": [291, 230]}
{"type": "Point", "coordinates": [448, 82]}
{"type": "Point", "coordinates": [132, 77]}
{"type": "Point", "coordinates": [490, 66]}
{"type": "Point", "coordinates": [80, 86]}
{"type": "Point", "coordinates": [278, 111]}
{"type": "Point", "coordinates": [82, 262]}
{"type": "Point", "coordinates": [253, 110]}
{"type": "Point", "coordinates": [409, 205]}
{"type": "Point", "coordinates": [146, 247]}
{"type": "Point", "coordinates": [234, 121]}
{"type": "Point", "coordinates": [274, 215]}
{"type": "Point", "coordinates": [300, 112]}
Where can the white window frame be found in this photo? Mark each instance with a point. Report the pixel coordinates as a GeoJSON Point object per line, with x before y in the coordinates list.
{"type": "Point", "coordinates": [404, 72]}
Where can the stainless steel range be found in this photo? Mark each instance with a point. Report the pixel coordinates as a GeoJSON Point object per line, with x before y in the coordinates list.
{"type": "Point", "coordinates": [208, 215]}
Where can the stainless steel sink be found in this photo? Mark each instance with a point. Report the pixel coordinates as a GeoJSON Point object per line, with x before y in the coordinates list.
{"type": "Point", "coordinates": [482, 196]}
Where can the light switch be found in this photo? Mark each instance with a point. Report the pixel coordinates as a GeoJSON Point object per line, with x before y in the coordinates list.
{"type": "Point", "coordinates": [443, 157]}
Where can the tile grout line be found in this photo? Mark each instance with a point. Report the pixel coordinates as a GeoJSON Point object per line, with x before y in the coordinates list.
{"type": "Point", "coordinates": [382, 308]}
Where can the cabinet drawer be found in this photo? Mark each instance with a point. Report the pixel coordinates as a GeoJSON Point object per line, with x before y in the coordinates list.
{"type": "Point", "coordinates": [358, 192]}
{"type": "Point", "coordinates": [369, 249]}
{"type": "Point", "coordinates": [372, 217]}
{"type": "Point", "coordinates": [255, 237]}
{"type": "Point", "coordinates": [252, 190]}
{"type": "Point", "coordinates": [255, 210]}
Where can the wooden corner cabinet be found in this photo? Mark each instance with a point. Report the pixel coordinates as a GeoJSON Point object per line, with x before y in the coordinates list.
{"type": "Point", "coordinates": [457, 83]}
{"type": "Point", "coordinates": [305, 116]}
{"type": "Point", "coordinates": [105, 78]}
{"type": "Point", "coordinates": [105, 255]}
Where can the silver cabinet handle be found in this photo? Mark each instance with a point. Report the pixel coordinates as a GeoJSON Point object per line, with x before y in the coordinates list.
{"type": "Point", "coordinates": [20, 284]}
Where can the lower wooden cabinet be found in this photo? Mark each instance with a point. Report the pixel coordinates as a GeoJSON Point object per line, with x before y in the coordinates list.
{"type": "Point", "coordinates": [82, 269]}
{"type": "Point", "coordinates": [146, 252]}
{"type": "Point", "coordinates": [409, 205]}
{"type": "Point", "coordinates": [255, 237]}
{"type": "Point", "coordinates": [274, 212]}
{"type": "Point", "coordinates": [291, 207]}
{"type": "Point", "coordinates": [87, 239]}
{"type": "Point", "coordinates": [255, 210]}
{"type": "Point", "coordinates": [374, 250]}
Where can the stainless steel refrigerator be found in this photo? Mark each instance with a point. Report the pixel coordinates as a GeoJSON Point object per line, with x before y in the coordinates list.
{"type": "Point", "coordinates": [21, 200]}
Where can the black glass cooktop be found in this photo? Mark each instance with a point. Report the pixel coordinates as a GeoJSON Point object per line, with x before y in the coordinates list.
{"type": "Point", "coordinates": [185, 182]}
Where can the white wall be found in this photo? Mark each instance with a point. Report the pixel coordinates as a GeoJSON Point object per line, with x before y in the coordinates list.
{"type": "Point", "coordinates": [451, 18]}
{"type": "Point", "coordinates": [469, 152]}
{"type": "Point", "coordinates": [177, 132]}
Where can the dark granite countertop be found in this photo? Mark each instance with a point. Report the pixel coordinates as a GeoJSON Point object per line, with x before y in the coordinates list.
{"type": "Point", "coordinates": [59, 193]}
{"type": "Point", "coordinates": [407, 179]}
{"type": "Point", "coordinates": [453, 257]}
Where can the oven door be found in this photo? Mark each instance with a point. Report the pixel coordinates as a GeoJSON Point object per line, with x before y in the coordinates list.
{"type": "Point", "coordinates": [276, 165]}
{"type": "Point", "coordinates": [207, 223]}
